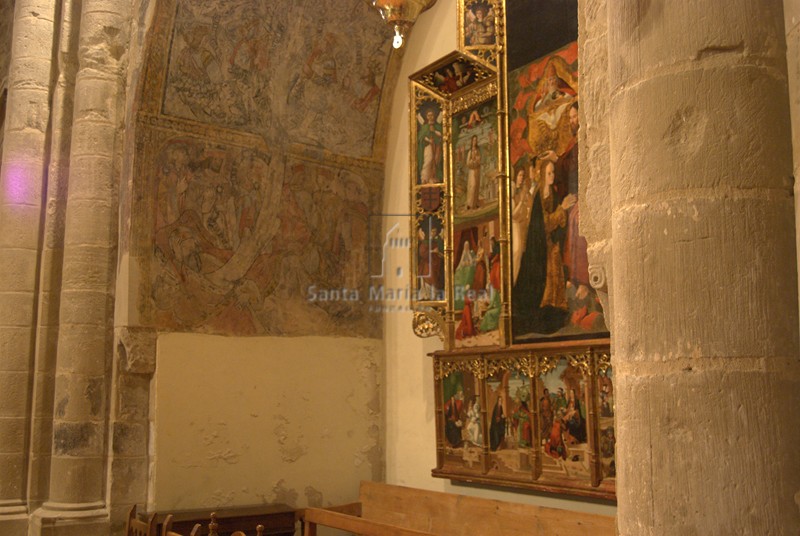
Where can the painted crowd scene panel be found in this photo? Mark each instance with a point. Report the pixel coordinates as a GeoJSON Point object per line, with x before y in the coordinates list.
{"type": "Point", "coordinates": [608, 438]}
{"type": "Point", "coordinates": [266, 68]}
{"type": "Point", "coordinates": [563, 417]}
{"type": "Point", "coordinates": [477, 270]}
{"type": "Point", "coordinates": [511, 423]}
{"type": "Point", "coordinates": [248, 243]}
{"type": "Point", "coordinates": [463, 426]}
{"type": "Point", "coordinates": [551, 295]}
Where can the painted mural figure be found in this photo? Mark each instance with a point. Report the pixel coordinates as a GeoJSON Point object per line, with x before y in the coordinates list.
{"type": "Point", "coordinates": [540, 303]}
{"type": "Point", "coordinates": [473, 173]}
{"type": "Point", "coordinates": [497, 429]}
{"type": "Point", "coordinates": [480, 25]}
{"type": "Point", "coordinates": [430, 263]}
{"type": "Point", "coordinates": [522, 422]}
{"type": "Point", "coordinates": [474, 428]}
{"type": "Point", "coordinates": [574, 419]}
{"type": "Point", "coordinates": [453, 423]}
{"type": "Point", "coordinates": [429, 150]}
{"type": "Point", "coordinates": [555, 446]}
{"type": "Point", "coordinates": [522, 203]}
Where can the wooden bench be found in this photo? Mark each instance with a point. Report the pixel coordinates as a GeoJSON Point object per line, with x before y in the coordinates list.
{"type": "Point", "coordinates": [386, 510]}
{"type": "Point", "coordinates": [278, 520]}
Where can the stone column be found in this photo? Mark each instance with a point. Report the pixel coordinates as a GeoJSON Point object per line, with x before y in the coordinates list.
{"type": "Point", "coordinates": [52, 256]}
{"type": "Point", "coordinates": [22, 182]}
{"type": "Point", "coordinates": [705, 276]}
{"type": "Point", "coordinates": [79, 456]}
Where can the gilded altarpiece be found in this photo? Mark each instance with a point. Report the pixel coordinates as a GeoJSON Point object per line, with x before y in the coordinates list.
{"type": "Point", "coordinates": [524, 387]}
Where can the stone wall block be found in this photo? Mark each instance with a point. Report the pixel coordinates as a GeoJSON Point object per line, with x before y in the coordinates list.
{"type": "Point", "coordinates": [133, 397]}
{"type": "Point", "coordinates": [15, 347]}
{"type": "Point", "coordinates": [30, 109]}
{"type": "Point", "coordinates": [52, 263]}
{"type": "Point", "coordinates": [707, 131]}
{"type": "Point", "coordinates": [88, 267]}
{"type": "Point", "coordinates": [12, 432]}
{"type": "Point", "coordinates": [129, 439]}
{"type": "Point", "coordinates": [33, 35]}
{"type": "Point", "coordinates": [47, 341]}
{"type": "Point", "coordinates": [129, 477]}
{"type": "Point", "coordinates": [729, 308]}
{"type": "Point", "coordinates": [88, 224]}
{"type": "Point", "coordinates": [13, 394]}
{"type": "Point", "coordinates": [712, 31]}
{"type": "Point", "coordinates": [84, 308]}
{"type": "Point", "coordinates": [98, 102]}
{"type": "Point", "coordinates": [34, 8]}
{"type": "Point", "coordinates": [38, 478]}
{"type": "Point", "coordinates": [42, 436]}
{"type": "Point", "coordinates": [17, 225]}
{"type": "Point", "coordinates": [87, 472]}
{"type": "Point", "coordinates": [83, 341]}
{"type": "Point", "coordinates": [23, 165]}
{"type": "Point", "coordinates": [104, 38]}
{"type": "Point", "coordinates": [48, 309]}
{"type": "Point", "coordinates": [18, 270]}
{"type": "Point", "coordinates": [13, 465]}
{"type": "Point", "coordinates": [87, 187]}
{"type": "Point", "coordinates": [26, 74]}
{"type": "Point", "coordinates": [43, 400]}
{"type": "Point", "coordinates": [716, 478]}
{"type": "Point", "coordinates": [136, 349]}
{"type": "Point", "coordinates": [92, 141]}
{"type": "Point", "coordinates": [16, 309]}
{"type": "Point", "coordinates": [79, 439]}
{"type": "Point", "coordinates": [80, 398]}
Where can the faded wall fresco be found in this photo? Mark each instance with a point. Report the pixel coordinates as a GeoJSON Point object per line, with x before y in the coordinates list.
{"type": "Point", "coordinates": [255, 196]}
{"type": "Point", "coordinates": [248, 242]}
{"type": "Point", "coordinates": [269, 68]}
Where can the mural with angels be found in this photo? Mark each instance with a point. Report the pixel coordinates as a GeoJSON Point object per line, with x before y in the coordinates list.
{"type": "Point", "coordinates": [245, 243]}
{"type": "Point", "coordinates": [551, 295]}
{"type": "Point", "coordinates": [265, 68]}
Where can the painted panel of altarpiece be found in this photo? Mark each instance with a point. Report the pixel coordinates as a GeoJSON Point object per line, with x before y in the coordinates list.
{"type": "Point", "coordinates": [267, 68]}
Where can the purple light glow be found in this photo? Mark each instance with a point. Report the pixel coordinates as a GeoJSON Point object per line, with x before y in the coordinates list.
{"type": "Point", "coordinates": [17, 185]}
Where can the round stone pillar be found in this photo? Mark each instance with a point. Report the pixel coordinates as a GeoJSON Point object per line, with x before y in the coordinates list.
{"type": "Point", "coordinates": [705, 277]}
{"type": "Point", "coordinates": [79, 456]}
{"type": "Point", "coordinates": [22, 182]}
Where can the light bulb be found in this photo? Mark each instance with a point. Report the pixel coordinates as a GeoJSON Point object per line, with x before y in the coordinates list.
{"type": "Point", "coordinates": [397, 42]}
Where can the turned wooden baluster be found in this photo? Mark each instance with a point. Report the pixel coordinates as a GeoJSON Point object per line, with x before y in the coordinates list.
{"type": "Point", "coordinates": [213, 526]}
